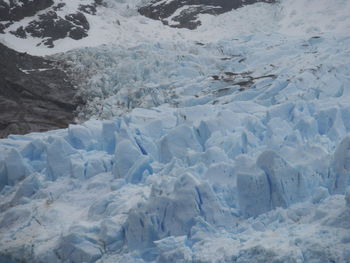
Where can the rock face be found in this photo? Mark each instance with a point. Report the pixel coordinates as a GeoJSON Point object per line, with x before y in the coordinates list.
{"type": "Point", "coordinates": [54, 22]}
{"type": "Point", "coordinates": [53, 27]}
{"type": "Point", "coordinates": [184, 14]}
{"type": "Point", "coordinates": [34, 94]}
{"type": "Point", "coordinates": [14, 11]}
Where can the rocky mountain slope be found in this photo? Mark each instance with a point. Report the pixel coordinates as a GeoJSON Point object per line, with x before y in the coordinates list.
{"type": "Point", "coordinates": [34, 94]}
{"type": "Point", "coordinates": [46, 20]}
{"type": "Point", "coordinates": [177, 13]}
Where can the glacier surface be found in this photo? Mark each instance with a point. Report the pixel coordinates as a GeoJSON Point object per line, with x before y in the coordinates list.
{"type": "Point", "coordinates": [233, 150]}
{"type": "Point", "coordinates": [153, 186]}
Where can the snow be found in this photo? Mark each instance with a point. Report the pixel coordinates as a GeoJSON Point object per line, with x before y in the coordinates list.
{"type": "Point", "coordinates": [120, 23]}
{"type": "Point", "coordinates": [170, 19]}
{"type": "Point", "coordinates": [180, 161]}
{"type": "Point", "coordinates": [315, 17]}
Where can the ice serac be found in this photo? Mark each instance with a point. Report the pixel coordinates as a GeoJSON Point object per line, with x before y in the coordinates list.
{"type": "Point", "coordinates": [28, 187]}
{"type": "Point", "coordinates": [130, 163]}
{"type": "Point", "coordinates": [177, 142]}
{"type": "Point", "coordinates": [174, 213]}
{"type": "Point", "coordinates": [58, 153]}
{"type": "Point", "coordinates": [347, 197]}
{"type": "Point", "coordinates": [109, 129]}
{"type": "Point", "coordinates": [254, 193]}
{"type": "Point", "coordinates": [112, 234]}
{"type": "Point", "coordinates": [3, 173]}
{"type": "Point", "coordinates": [341, 167]}
{"type": "Point", "coordinates": [75, 247]}
{"type": "Point", "coordinates": [80, 137]}
{"type": "Point", "coordinates": [286, 184]}
{"type": "Point", "coordinates": [16, 170]}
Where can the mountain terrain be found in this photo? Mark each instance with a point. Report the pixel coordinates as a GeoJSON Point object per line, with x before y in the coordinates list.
{"type": "Point", "coordinates": [35, 94]}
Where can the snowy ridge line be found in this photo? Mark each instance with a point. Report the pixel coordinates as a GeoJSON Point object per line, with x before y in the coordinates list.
{"type": "Point", "coordinates": [200, 169]}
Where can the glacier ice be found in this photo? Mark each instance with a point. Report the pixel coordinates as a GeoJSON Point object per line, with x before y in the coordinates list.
{"type": "Point", "coordinates": [347, 197]}
{"type": "Point", "coordinates": [231, 151]}
{"type": "Point", "coordinates": [254, 191]}
{"type": "Point", "coordinates": [286, 185]}
{"type": "Point", "coordinates": [145, 185]}
{"type": "Point", "coordinates": [341, 168]}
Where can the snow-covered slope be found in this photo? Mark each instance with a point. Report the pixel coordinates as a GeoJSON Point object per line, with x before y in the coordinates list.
{"type": "Point", "coordinates": [118, 22]}
{"type": "Point", "coordinates": [231, 145]}
{"type": "Point", "coordinates": [61, 24]}
{"type": "Point", "coordinates": [185, 14]}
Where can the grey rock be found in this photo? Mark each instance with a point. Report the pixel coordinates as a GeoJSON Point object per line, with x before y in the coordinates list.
{"type": "Point", "coordinates": [17, 10]}
{"type": "Point", "coordinates": [52, 27]}
{"type": "Point", "coordinates": [34, 94]}
{"type": "Point", "coordinates": [188, 18]}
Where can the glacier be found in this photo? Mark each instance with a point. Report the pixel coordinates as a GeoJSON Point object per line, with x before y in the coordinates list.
{"type": "Point", "coordinates": [190, 150]}
{"type": "Point", "coordinates": [271, 69]}
{"type": "Point", "coordinates": [154, 187]}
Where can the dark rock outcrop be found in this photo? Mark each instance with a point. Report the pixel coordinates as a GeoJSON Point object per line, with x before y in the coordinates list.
{"type": "Point", "coordinates": [89, 9]}
{"type": "Point", "coordinates": [34, 94]}
{"type": "Point", "coordinates": [17, 10]}
{"type": "Point", "coordinates": [58, 7]}
{"type": "Point", "coordinates": [52, 27]}
{"type": "Point", "coordinates": [188, 16]}
{"type": "Point", "coordinates": [49, 25]}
